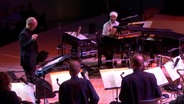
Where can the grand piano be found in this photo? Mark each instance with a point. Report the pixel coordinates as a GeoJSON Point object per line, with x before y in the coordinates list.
{"type": "Point", "coordinates": [161, 40]}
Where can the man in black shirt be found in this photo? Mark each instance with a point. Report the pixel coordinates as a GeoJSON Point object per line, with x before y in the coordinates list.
{"type": "Point", "coordinates": [139, 85]}
{"type": "Point", "coordinates": [77, 90]}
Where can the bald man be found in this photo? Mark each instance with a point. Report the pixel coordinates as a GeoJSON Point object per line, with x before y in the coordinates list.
{"type": "Point", "coordinates": [139, 85]}
{"type": "Point", "coordinates": [77, 90]}
{"type": "Point", "coordinates": [29, 48]}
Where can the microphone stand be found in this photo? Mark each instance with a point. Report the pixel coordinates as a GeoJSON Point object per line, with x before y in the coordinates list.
{"type": "Point", "coordinates": [44, 93]}
{"type": "Point", "coordinates": [60, 41]}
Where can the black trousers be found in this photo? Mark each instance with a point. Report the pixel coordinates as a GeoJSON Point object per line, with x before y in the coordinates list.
{"type": "Point", "coordinates": [30, 73]}
{"type": "Point", "coordinates": [107, 48]}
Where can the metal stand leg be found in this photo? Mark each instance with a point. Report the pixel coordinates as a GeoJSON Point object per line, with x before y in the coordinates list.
{"type": "Point", "coordinates": [116, 95]}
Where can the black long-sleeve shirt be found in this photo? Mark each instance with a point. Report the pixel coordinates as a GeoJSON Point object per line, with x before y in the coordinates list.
{"type": "Point", "coordinates": [77, 91]}
{"type": "Point", "coordinates": [9, 97]}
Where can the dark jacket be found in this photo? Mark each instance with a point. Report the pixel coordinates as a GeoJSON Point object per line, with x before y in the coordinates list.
{"type": "Point", "coordinates": [77, 91]}
{"type": "Point", "coordinates": [137, 86]}
{"type": "Point", "coordinates": [29, 49]}
{"type": "Point", "coordinates": [9, 97]}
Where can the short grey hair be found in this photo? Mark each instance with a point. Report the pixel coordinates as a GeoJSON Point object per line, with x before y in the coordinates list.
{"type": "Point", "coordinates": [30, 20]}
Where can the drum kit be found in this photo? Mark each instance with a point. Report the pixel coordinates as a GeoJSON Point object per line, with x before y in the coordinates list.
{"type": "Point", "coordinates": [173, 69]}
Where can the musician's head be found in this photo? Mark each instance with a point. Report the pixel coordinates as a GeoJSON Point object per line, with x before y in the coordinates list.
{"type": "Point", "coordinates": [113, 16]}
{"type": "Point", "coordinates": [31, 23]}
{"type": "Point", "coordinates": [74, 67]}
{"type": "Point", "coordinates": [137, 62]}
{"type": "Point", "coordinates": [5, 82]}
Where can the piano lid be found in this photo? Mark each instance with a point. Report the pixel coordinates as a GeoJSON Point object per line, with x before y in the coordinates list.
{"type": "Point", "coordinates": [162, 25]}
{"type": "Point", "coordinates": [174, 23]}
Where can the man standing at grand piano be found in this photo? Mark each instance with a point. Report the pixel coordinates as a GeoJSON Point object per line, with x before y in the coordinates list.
{"type": "Point", "coordinates": [29, 48]}
{"type": "Point", "coordinates": [107, 43]}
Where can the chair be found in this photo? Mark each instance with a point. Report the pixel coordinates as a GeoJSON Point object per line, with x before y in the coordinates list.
{"type": "Point", "coordinates": [150, 101]}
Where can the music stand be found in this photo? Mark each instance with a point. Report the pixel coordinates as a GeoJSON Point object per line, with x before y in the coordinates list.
{"type": "Point", "coordinates": [171, 68]}
{"type": "Point", "coordinates": [24, 91]}
{"type": "Point", "coordinates": [181, 47]}
{"type": "Point", "coordinates": [43, 90]}
{"type": "Point", "coordinates": [161, 78]}
{"type": "Point", "coordinates": [112, 78]}
{"type": "Point", "coordinates": [61, 76]}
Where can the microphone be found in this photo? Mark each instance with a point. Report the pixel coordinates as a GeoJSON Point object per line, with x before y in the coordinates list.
{"type": "Point", "coordinates": [173, 49]}
{"type": "Point", "coordinates": [176, 63]}
{"type": "Point", "coordinates": [122, 74]}
{"type": "Point", "coordinates": [78, 31]}
{"type": "Point", "coordinates": [23, 80]}
{"type": "Point", "coordinates": [57, 81]}
{"type": "Point", "coordinates": [83, 74]}
{"type": "Point", "coordinates": [129, 17]}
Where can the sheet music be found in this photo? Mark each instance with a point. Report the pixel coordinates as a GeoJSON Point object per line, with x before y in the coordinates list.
{"type": "Point", "coordinates": [111, 77]}
{"type": "Point", "coordinates": [147, 24]}
{"type": "Point", "coordinates": [169, 66]}
{"type": "Point", "coordinates": [157, 71]}
{"type": "Point", "coordinates": [26, 92]}
{"type": "Point", "coordinates": [79, 36]}
{"type": "Point", "coordinates": [62, 76]}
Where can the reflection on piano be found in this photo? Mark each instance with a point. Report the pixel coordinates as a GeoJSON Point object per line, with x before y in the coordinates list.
{"type": "Point", "coordinates": [128, 35]}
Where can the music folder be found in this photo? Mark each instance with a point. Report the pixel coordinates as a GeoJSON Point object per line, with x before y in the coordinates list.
{"type": "Point", "coordinates": [61, 76]}
{"type": "Point", "coordinates": [24, 91]}
{"type": "Point", "coordinates": [112, 77]}
{"type": "Point", "coordinates": [161, 78]}
{"type": "Point", "coordinates": [172, 68]}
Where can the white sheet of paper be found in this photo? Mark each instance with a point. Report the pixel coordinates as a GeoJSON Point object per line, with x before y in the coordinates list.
{"type": "Point", "coordinates": [112, 77]}
{"type": "Point", "coordinates": [147, 24]}
{"type": "Point", "coordinates": [157, 71]}
{"type": "Point", "coordinates": [169, 66]}
{"type": "Point", "coordinates": [62, 76]}
{"type": "Point", "coordinates": [25, 92]}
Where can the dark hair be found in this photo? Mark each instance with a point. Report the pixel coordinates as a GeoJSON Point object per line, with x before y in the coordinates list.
{"type": "Point", "coordinates": [74, 67]}
{"type": "Point", "coordinates": [5, 81]}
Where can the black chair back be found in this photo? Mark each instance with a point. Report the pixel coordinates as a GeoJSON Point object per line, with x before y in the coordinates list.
{"type": "Point", "coordinates": [150, 101]}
